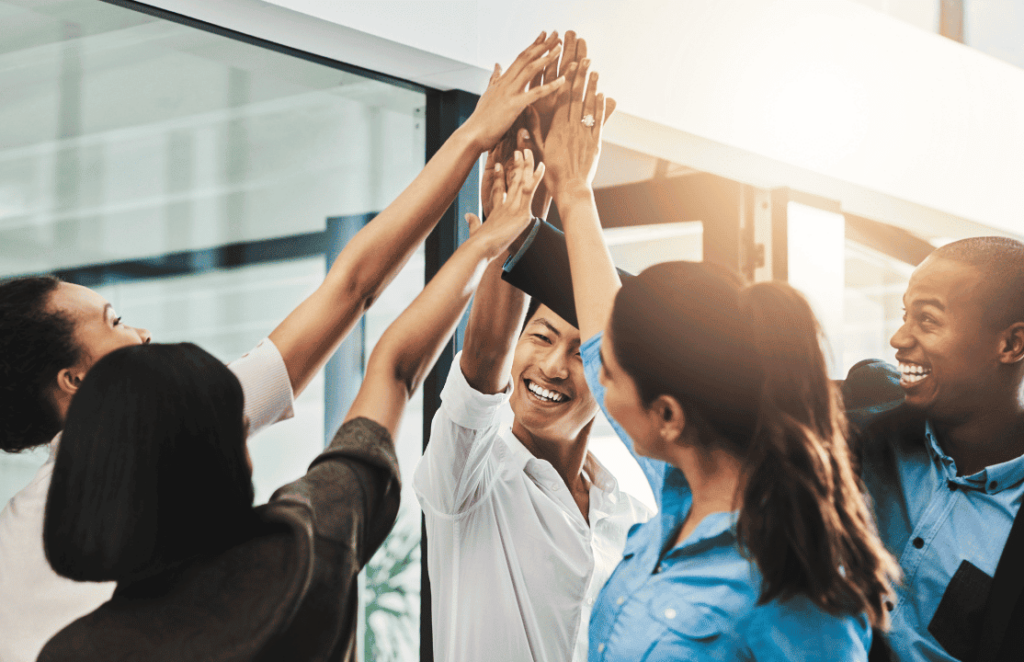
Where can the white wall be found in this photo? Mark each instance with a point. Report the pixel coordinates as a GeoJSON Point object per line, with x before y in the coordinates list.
{"type": "Point", "coordinates": [828, 96]}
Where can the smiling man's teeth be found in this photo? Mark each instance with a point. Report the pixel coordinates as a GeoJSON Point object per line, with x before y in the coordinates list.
{"type": "Point", "coordinates": [553, 396]}
{"type": "Point", "coordinates": [912, 372]}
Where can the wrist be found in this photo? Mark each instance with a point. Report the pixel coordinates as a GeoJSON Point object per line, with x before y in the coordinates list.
{"type": "Point", "coordinates": [482, 247]}
{"type": "Point", "coordinates": [572, 192]}
{"type": "Point", "coordinates": [470, 137]}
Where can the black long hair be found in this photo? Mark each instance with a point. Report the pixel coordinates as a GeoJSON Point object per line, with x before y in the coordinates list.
{"type": "Point", "coordinates": [35, 344]}
{"type": "Point", "coordinates": [747, 367]}
{"type": "Point", "coordinates": [152, 469]}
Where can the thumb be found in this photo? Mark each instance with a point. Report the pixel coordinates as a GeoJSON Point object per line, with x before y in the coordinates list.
{"type": "Point", "coordinates": [473, 221]}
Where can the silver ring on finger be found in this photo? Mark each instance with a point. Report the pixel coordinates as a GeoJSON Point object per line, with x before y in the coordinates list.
{"type": "Point", "coordinates": [588, 121]}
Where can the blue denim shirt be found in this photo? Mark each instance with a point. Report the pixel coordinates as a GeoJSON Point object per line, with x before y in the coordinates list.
{"type": "Point", "coordinates": [948, 532]}
{"type": "Point", "coordinates": [697, 601]}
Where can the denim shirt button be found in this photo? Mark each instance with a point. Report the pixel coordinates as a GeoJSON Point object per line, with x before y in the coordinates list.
{"type": "Point", "coordinates": [670, 613]}
{"type": "Point", "coordinates": [620, 600]}
{"type": "Point", "coordinates": [600, 648]}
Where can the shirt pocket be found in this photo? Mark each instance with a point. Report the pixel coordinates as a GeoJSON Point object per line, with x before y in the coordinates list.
{"type": "Point", "coordinates": [688, 631]}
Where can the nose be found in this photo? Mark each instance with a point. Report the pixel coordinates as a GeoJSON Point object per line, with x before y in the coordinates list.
{"type": "Point", "coordinates": [902, 338]}
{"type": "Point", "coordinates": [555, 365]}
{"type": "Point", "coordinates": [144, 335]}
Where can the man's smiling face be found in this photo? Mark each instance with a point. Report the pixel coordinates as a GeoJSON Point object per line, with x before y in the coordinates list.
{"type": "Point", "coordinates": [550, 398]}
{"type": "Point", "coordinates": [948, 346]}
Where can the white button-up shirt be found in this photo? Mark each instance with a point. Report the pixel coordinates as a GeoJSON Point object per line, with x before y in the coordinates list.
{"type": "Point", "coordinates": [514, 568]}
{"type": "Point", "coordinates": [36, 602]}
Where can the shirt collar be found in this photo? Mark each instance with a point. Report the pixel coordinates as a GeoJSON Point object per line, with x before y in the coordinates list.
{"type": "Point", "coordinates": [54, 443]}
{"type": "Point", "coordinates": [600, 477]}
{"type": "Point", "coordinates": [991, 479]}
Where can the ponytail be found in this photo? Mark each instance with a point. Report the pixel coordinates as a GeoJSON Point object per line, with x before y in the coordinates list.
{"type": "Point", "coordinates": [804, 518]}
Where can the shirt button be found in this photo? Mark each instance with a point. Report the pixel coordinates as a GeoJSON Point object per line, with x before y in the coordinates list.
{"type": "Point", "coordinates": [890, 606]}
{"type": "Point", "coordinates": [620, 600]}
{"type": "Point", "coordinates": [600, 648]}
{"type": "Point", "coordinates": [952, 486]}
{"type": "Point", "coordinates": [993, 485]}
{"type": "Point", "coordinates": [670, 613]}
{"type": "Point", "coordinates": [918, 542]}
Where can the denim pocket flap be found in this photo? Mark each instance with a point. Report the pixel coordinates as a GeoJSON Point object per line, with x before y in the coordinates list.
{"type": "Point", "coordinates": [687, 619]}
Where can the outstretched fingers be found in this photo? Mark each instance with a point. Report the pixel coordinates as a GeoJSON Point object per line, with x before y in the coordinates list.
{"type": "Point", "coordinates": [525, 179]}
{"type": "Point", "coordinates": [600, 116]}
{"type": "Point", "coordinates": [535, 69]}
{"type": "Point", "coordinates": [529, 57]}
{"type": "Point", "coordinates": [590, 99]}
{"type": "Point", "coordinates": [609, 108]}
{"type": "Point", "coordinates": [576, 92]}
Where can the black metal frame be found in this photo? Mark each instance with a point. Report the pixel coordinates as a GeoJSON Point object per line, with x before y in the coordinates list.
{"type": "Point", "coordinates": [446, 111]}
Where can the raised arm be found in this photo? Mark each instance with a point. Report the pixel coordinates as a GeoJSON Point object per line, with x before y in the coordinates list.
{"type": "Point", "coordinates": [498, 307]}
{"type": "Point", "coordinates": [311, 333]}
{"type": "Point", "coordinates": [572, 148]}
{"type": "Point", "coordinates": [410, 346]}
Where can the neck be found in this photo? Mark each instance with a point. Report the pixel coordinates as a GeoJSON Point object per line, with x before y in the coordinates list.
{"type": "Point", "coordinates": [714, 477]}
{"type": "Point", "coordinates": [987, 437]}
{"type": "Point", "coordinates": [565, 455]}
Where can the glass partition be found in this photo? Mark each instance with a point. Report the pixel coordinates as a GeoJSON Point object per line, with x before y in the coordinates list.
{"type": "Point", "coordinates": [188, 177]}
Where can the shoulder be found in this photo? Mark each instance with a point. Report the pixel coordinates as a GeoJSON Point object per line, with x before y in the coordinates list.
{"type": "Point", "coordinates": [795, 630]}
{"type": "Point", "coordinates": [874, 402]}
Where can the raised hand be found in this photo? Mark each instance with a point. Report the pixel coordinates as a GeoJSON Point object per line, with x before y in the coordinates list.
{"type": "Point", "coordinates": [572, 145]}
{"type": "Point", "coordinates": [510, 207]}
{"type": "Point", "coordinates": [573, 50]}
{"type": "Point", "coordinates": [508, 93]}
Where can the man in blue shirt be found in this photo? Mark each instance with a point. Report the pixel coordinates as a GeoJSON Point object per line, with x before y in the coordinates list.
{"type": "Point", "coordinates": [942, 454]}
{"type": "Point", "coordinates": [946, 469]}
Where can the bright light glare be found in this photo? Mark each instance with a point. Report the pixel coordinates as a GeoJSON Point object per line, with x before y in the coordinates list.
{"type": "Point", "coordinates": [816, 116]}
{"type": "Point", "coordinates": [817, 243]}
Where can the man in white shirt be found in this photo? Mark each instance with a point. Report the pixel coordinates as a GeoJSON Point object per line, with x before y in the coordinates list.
{"type": "Point", "coordinates": [524, 525]}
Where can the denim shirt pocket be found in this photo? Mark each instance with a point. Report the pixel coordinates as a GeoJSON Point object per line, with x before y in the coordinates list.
{"type": "Point", "coordinates": [683, 618]}
{"type": "Point", "coordinates": [688, 631]}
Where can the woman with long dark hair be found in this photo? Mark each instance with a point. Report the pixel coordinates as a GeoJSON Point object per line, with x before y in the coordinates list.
{"type": "Point", "coordinates": [764, 547]}
{"type": "Point", "coordinates": [201, 574]}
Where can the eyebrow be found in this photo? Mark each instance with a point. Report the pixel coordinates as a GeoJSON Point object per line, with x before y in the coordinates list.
{"type": "Point", "coordinates": [921, 303]}
{"type": "Point", "coordinates": [541, 320]}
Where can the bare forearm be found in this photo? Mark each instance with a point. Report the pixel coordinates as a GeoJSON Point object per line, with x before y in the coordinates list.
{"type": "Point", "coordinates": [370, 261]}
{"type": "Point", "coordinates": [594, 279]}
{"type": "Point", "coordinates": [408, 349]}
{"type": "Point", "coordinates": [494, 323]}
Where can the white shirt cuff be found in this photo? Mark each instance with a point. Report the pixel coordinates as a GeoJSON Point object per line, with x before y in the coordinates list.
{"type": "Point", "coordinates": [468, 407]}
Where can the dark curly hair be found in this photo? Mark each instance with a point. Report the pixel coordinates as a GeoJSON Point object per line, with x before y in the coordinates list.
{"type": "Point", "coordinates": [35, 344]}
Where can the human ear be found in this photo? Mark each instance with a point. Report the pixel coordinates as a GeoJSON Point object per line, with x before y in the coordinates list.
{"type": "Point", "coordinates": [1012, 350]}
{"type": "Point", "coordinates": [69, 380]}
{"type": "Point", "coordinates": [670, 418]}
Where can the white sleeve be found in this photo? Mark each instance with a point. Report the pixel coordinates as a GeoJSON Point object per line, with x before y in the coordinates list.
{"type": "Point", "coordinates": [266, 385]}
{"type": "Point", "coordinates": [454, 471]}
